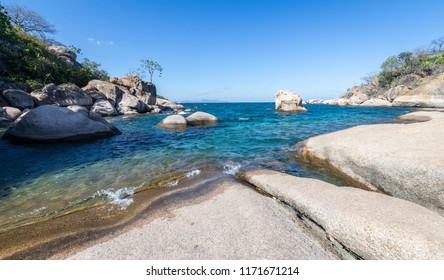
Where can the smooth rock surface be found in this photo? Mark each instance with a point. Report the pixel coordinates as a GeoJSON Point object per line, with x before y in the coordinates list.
{"type": "Point", "coordinates": [130, 103]}
{"type": "Point", "coordinates": [45, 95]}
{"type": "Point", "coordinates": [104, 108]}
{"type": "Point", "coordinates": [370, 224]}
{"type": "Point", "coordinates": [11, 113]}
{"type": "Point", "coordinates": [111, 91]}
{"type": "Point", "coordinates": [231, 222]}
{"type": "Point", "coordinates": [52, 123]}
{"type": "Point", "coordinates": [18, 99]}
{"type": "Point", "coordinates": [403, 160]}
{"type": "Point", "coordinates": [201, 119]}
{"type": "Point", "coordinates": [173, 122]}
{"type": "Point", "coordinates": [288, 101]}
{"type": "Point", "coordinates": [377, 102]}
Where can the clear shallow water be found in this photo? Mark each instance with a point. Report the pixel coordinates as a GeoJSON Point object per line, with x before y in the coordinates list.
{"type": "Point", "coordinates": [42, 180]}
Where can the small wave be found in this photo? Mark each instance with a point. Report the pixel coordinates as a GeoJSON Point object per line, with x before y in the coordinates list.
{"type": "Point", "coordinates": [193, 173]}
{"type": "Point", "coordinates": [231, 168]}
{"type": "Point", "coordinates": [244, 119]}
{"type": "Point", "coordinates": [187, 110]}
{"type": "Point", "coordinates": [181, 113]}
{"type": "Point", "coordinates": [118, 197]}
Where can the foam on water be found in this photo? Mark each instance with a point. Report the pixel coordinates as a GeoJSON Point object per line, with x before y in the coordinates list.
{"type": "Point", "coordinates": [118, 197]}
{"type": "Point", "coordinates": [193, 173]}
{"type": "Point", "coordinates": [231, 168]}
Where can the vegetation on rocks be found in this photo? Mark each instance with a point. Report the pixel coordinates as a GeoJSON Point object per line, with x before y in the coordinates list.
{"type": "Point", "coordinates": [26, 58]}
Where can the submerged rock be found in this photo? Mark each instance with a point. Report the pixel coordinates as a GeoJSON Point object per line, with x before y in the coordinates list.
{"type": "Point", "coordinates": [201, 119]}
{"type": "Point", "coordinates": [52, 123]}
{"type": "Point", "coordinates": [288, 101]}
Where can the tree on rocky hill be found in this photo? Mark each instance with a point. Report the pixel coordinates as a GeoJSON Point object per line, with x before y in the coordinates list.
{"type": "Point", "coordinates": [151, 67]}
{"type": "Point", "coordinates": [29, 21]}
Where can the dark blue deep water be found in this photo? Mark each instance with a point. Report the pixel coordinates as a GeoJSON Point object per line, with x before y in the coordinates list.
{"type": "Point", "coordinates": [42, 180]}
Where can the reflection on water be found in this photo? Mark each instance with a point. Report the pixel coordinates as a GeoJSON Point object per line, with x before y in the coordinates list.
{"type": "Point", "coordinates": [41, 180]}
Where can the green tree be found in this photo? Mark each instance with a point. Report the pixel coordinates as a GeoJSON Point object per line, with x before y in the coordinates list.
{"type": "Point", "coordinates": [151, 67]}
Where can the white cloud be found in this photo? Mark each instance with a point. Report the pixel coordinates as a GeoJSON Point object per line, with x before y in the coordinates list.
{"type": "Point", "coordinates": [100, 42]}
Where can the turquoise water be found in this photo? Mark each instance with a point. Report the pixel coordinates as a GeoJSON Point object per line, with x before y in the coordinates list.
{"type": "Point", "coordinates": [42, 180]}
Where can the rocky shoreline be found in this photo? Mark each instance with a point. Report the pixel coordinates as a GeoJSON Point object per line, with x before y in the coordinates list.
{"type": "Point", "coordinates": [397, 213]}
{"type": "Point", "coordinates": [411, 91]}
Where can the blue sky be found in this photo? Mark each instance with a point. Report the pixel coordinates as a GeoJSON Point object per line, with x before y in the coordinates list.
{"type": "Point", "coordinates": [244, 50]}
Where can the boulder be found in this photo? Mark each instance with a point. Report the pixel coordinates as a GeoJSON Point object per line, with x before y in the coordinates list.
{"type": "Point", "coordinates": [18, 99]}
{"type": "Point", "coordinates": [49, 123]}
{"type": "Point", "coordinates": [357, 98]}
{"type": "Point", "coordinates": [429, 94]}
{"type": "Point", "coordinates": [64, 54]}
{"type": "Point", "coordinates": [70, 94]}
{"type": "Point", "coordinates": [144, 90]}
{"type": "Point", "coordinates": [201, 119]}
{"type": "Point", "coordinates": [175, 122]}
{"type": "Point", "coordinates": [111, 91]}
{"type": "Point", "coordinates": [342, 102]}
{"type": "Point", "coordinates": [376, 102]}
{"type": "Point", "coordinates": [104, 108]}
{"type": "Point", "coordinates": [396, 91]}
{"type": "Point", "coordinates": [370, 225]}
{"type": "Point", "coordinates": [131, 103]}
{"type": "Point", "coordinates": [167, 105]}
{"type": "Point", "coordinates": [288, 101]}
{"type": "Point", "coordinates": [45, 95]}
{"type": "Point", "coordinates": [11, 113]}
{"type": "Point", "coordinates": [403, 160]}
{"type": "Point", "coordinates": [97, 95]}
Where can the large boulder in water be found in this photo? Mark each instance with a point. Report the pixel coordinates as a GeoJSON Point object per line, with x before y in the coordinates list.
{"type": "Point", "coordinates": [175, 122]}
{"type": "Point", "coordinates": [130, 104]}
{"type": "Point", "coordinates": [288, 101]}
{"type": "Point", "coordinates": [18, 99]}
{"type": "Point", "coordinates": [201, 119]}
{"type": "Point", "coordinates": [49, 123]}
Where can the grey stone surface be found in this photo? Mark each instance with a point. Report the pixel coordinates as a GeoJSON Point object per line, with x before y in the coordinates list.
{"type": "Point", "coordinates": [370, 224]}
{"type": "Point", "coordinates": [405, 160]}
{"type": "Point", "coordinates": [18, 99]}
{"type": "Point", "coordinates": [11, 113]}
{"type": "Point", "coordinates": [201, 119]}
{"type": "Point", "coordinates": [52, 123]}
{"type": "Point", "coordinates": [173, 122]}
{"type": "Point", "coordinates": [231, 222]}
{"type": "Point", "coordinates": [104, 108]}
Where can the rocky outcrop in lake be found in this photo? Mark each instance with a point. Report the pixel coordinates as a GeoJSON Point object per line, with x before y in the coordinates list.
{"type": "Point", "coordinates": [288, 101]}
